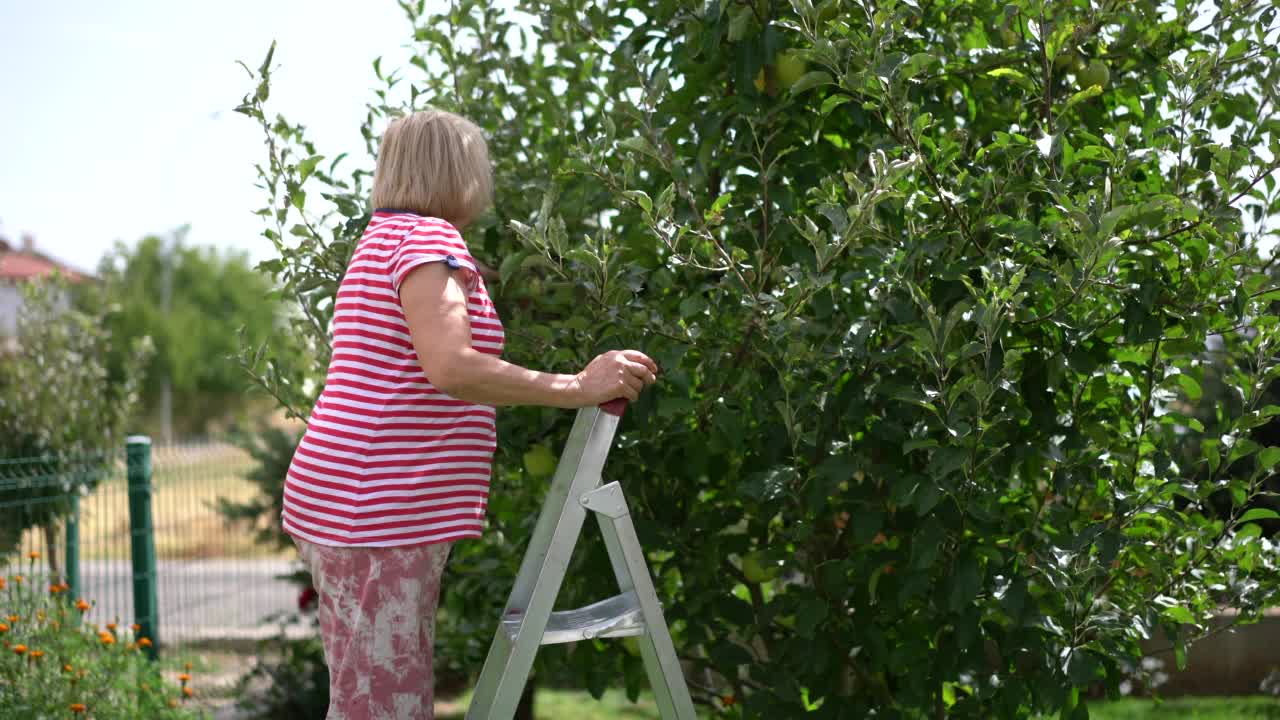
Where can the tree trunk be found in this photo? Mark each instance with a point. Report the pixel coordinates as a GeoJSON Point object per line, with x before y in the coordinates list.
{"type": "Point", "coordinates": [51, 551]}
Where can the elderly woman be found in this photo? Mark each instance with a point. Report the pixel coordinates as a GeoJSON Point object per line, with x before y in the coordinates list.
{"type": "Point", "coordinates": [395, 463]}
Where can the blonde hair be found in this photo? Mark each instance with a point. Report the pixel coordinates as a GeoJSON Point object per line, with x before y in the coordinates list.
{"type": "Point", "coordinates": [434, 163]}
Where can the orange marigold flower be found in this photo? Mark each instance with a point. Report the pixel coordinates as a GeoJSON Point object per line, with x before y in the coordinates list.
{"type": "Point", "coordinates": [106, 638]}
{"type": "Point", "coordinates": [13, 619]}
{"type": "Point", "coordinates": [3, 582]}
{"type": "Point", "coordinates": [78, 707]}
{"type": "Point", "coordinates": [144, 642]}
{"type": "Point", "coordinates": [81, 605]}
{"type": "Point", "coordinates": [20, 649]}
{"type": "Point", "coordinates": [36, 654]}
{"type": "Point", "coordinates": [188, 691]}
{"type": "Point", "coordinates": [17, 579]}
{"type": "Point", "coordinates": [184, 677]}
{"type": "Point", "coordinates": [187, 667]}
{"type": "Point", "coordinates": [4, 628]}
{"type": "Point", "coordinates": [34, 554]}
{"type": "Point", "coordinates": [54, 589]}
{"type": "Point", "coordinates": [136, 627]}
{"type": "Point", "coordinates": [66, 668]}
{"type": "Point", "coordinates": [111, 626]}
{"type": "Point", "coordinates": [729, 700]}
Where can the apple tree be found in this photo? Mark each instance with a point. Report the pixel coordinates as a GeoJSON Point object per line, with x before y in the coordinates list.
{"type": "Point", "coordinates": [936, 287]}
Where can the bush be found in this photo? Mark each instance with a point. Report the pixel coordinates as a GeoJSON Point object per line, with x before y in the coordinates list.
{"type": "Point", "coordinates": [54, 664]}
{"type": "Point", "coordinates": [937, 289]}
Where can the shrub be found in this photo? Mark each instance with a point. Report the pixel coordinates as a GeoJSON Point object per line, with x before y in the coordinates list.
{"type": "Point", "coordinates": [54, 664]}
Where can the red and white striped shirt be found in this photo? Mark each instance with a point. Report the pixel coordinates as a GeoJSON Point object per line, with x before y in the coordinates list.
{"type": "Point", "coordinates": [387, 459]}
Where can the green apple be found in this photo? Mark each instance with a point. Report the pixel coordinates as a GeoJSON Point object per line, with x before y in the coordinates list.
{"type": "Point", "coordinates": [1095, 73]}
{"type": "Point", "coordinates": [790, 68]}
{"type": "Point", "coordinates": [753, 566]}
{"type": "Point", "coordinates": [539, 461]}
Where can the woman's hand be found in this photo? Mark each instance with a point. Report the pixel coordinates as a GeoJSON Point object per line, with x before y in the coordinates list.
{"type": "Point", "coordinates": [612, 375]}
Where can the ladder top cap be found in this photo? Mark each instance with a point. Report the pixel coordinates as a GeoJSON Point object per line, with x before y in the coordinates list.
{"type": "Point", "coordinates": [615, 407]}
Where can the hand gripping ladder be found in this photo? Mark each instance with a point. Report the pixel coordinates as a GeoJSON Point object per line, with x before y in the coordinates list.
{"type": "Point", "coordinates": [528, 621]}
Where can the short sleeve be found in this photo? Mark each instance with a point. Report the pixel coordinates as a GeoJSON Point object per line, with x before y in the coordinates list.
{"type": "Point", "coordinates": [433, 240]}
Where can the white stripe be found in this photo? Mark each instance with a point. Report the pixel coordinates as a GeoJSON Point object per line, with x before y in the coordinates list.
{"type": "Point", "coordinates": [384, 376]}
{"type": "Point", "coordinates": [371, 341]}
{"type": "Point", "coordinates": [371, 277]}
{"type": "Point", "coordinates": [366, 302]}
{"type": "Point", "coordinates": [390, 495]}
{"type": "Point", "coordinates": [480, 412]}
{"type": "Point", "coordinates": [368, 287]}
{"type": "Point", "coordinates": [340, 321]}
{"type": "Point", "coordinates": [395, 391]}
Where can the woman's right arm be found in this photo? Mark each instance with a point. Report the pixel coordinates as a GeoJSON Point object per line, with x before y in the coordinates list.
{"type": "Point", "coordinates": [435, 308]}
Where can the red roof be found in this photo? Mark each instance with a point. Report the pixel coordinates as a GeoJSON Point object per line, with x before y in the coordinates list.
{"type": "Point", "coordinates": [17, 265]}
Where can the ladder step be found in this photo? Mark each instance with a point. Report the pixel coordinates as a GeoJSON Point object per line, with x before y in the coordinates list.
{"type": "Point", "coordinates": [618, 616]}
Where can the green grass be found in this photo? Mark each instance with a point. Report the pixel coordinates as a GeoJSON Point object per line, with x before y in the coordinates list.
{"type": "Point", "coordinates": [1188, 709]}
{"type": "Point", "coordinates": [571, 705]}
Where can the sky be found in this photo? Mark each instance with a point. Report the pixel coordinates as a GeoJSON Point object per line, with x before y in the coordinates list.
{"type": "Point", "coordinates": [117, 116]}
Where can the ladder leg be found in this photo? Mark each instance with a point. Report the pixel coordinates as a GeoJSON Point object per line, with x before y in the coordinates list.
{"type": "Point", "coordinates": [507, 666]}
{"type": "Point", "coordinates": [662, 665]}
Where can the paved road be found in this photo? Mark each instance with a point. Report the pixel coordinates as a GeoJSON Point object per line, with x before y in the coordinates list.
{"type": "Point", "coordinates": [218, 599]}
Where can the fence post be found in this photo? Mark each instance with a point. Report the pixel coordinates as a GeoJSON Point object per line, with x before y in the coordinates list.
{"type": "Point", "coordinates": [142, 540]}
{"type": "Point", "coordinates": [72, 578]}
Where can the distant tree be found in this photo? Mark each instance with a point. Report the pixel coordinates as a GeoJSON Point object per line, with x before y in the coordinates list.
{"type": "Point", "coordinates": [195, 303]}
{"type": "Point", "coordinates": [63, 411]}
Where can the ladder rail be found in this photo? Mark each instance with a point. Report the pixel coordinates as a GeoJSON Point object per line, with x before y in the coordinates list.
{"type": "Point", "coordinates": [657, 649]}
{"type": "Point", "coordinates": [576, 490]}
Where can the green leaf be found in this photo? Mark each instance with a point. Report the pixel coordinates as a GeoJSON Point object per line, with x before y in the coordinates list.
{"type": "Point", "coordinates": [810, 80]}
{"type": "Point", "coordinates": [1190, 387]}
{"type": "Point", "coordinates": [1258, 514]}
{"type": "Point", "coordinates": [1179, 614]}
{"type": "Point", "coordinates": [1090, 92]}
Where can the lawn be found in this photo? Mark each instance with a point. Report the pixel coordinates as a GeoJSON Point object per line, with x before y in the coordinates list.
{"type": "Point", "coordinates": [1188, 709]}
{"type": "Point", "coordinates": [577, 705]}
{"type": "Point", "coordinates": [187, 482]}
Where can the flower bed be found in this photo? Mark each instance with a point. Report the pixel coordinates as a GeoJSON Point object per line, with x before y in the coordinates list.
{"type": "Point", "coordinates": [55, 664]}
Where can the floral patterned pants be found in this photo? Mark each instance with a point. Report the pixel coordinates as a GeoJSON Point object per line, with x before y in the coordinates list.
{"type": "Point", "coordinates": [377, 621]}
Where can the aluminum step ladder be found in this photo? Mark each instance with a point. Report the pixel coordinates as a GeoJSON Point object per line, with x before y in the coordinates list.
{"type": "Point", "coordinates": [528, 621]}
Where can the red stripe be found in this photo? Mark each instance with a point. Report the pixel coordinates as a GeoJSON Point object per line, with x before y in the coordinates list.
{"type": "Point", "coordinates": [368, 438]}
{"type": "Point", "coordinates": [478, 475]}
{"type": "Point", "coordinates": [428, 504]}
{"type": "Point", "coordinates": [425, 451]}
{"type": "Point", "coordinates": [433, 398]}
{"type": "Point", "coordinates": [443, 535]}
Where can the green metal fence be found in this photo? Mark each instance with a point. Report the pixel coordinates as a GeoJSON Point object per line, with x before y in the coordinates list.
{"type": "Point", "coordinates": [136, 532]}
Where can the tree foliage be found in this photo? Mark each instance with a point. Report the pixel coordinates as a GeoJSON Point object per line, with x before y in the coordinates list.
{"type": "Point", "coordinates": [198, 305]}
{"type": "Point", "coordinates": [936, 288]}
{"type": "Point", "coordinates": [63, 411]}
